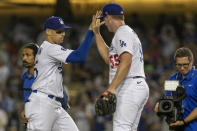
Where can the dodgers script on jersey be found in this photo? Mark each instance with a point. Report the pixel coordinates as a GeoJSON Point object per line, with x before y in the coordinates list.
{"type": "Point", "coordinates": [126, 40]}
{"type": "Point", "coordinates": [48, 69]}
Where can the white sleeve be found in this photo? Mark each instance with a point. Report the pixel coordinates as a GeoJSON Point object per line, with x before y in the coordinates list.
{"type": "Point", "coordinates": [58, 52]}
{"type": "Point", "coordinates": [124, 42]}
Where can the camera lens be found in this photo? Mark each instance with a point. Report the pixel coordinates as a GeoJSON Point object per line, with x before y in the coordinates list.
{"type": "Point", "coordinates": [166, 106]}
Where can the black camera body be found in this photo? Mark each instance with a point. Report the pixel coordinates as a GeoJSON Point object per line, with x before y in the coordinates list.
{"type": "Point", "coordinates": [171, 109]}
{"type": "Point", "coordinates": [171, 106]}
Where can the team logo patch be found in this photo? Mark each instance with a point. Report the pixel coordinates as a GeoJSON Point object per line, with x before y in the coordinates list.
{"type": "Point", "coordinates": [61, 21]}
{"type": "Point", "coordinates": [63, 49]}
{"type": "Point", "coordinates": [138, 82]}
{"type": "Point", "coordinates": [122, 43]}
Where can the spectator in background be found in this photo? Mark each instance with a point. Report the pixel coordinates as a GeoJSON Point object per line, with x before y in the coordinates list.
{"type": "Point", "coordinates": [4, 71]}
{"type": "Point", "coordinates": [169, 39]}
{"type": "Point", "coordinates": [3, 119]}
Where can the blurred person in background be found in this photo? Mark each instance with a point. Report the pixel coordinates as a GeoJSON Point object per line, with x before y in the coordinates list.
{"type": "Point", "coordinates": [3, 119]}
{"type": "Point", "coordinates": [169, 40]}
{"type": "Point", "coordinates": [4, 71]}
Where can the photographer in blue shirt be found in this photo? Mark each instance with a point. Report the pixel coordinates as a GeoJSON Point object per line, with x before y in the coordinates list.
{"type": "Point", "coordinates": [29, 52]}
{"type": "Point", "coordinates": [187, 76]}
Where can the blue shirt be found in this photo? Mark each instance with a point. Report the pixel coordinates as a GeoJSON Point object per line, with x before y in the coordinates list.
{"type": "Point", "coordinates": [190, 102]}
{"type": "Point", "coordinates": [28, 81]}
{"type": "Point", "coordinates": [27, 84]}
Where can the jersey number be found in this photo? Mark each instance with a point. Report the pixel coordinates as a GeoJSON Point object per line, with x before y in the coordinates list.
{"type": "Point", "coordinates": [114, 60]}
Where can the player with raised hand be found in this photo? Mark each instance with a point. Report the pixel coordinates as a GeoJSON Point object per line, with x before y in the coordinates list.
{"type": "Point", "coordinates": [44, 111]}
{"type": "Point", "coordinates": [126, 73]}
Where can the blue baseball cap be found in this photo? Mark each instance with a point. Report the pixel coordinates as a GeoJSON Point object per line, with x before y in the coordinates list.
{"type": "Point", "coordinates": [111, 9]}
{"type": "Point", "coordinates": [55, 23]}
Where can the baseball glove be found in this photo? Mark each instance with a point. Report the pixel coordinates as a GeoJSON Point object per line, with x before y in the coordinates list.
{"type": "Point", "coordinates": [105, 104]}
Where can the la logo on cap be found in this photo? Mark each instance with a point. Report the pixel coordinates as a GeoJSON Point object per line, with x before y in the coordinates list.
{"type": "Point", "coordinates": [61, 21]}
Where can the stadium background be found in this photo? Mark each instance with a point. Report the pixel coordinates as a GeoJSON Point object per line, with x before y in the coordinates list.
{"type": "Point", "coordinates": [162, 25]}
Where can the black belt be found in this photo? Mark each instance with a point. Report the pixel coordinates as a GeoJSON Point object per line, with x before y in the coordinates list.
{"type": "Point", "coordinates": [135, 77]}
{"type": "Point", "coordinates": [50, 96]}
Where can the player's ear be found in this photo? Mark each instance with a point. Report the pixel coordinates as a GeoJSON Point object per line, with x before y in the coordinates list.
{"type": "Point", "coordinates": [48, 32]}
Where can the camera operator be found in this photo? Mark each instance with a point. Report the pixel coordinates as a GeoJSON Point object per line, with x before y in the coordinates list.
{"type": "Point", "coordinates": [187, 76]}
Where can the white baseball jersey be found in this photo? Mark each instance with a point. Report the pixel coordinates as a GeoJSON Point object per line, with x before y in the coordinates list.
{"type": "Point", "coordinates": [48, 69]}
{"type": "Point", "coordinates": [126, 40]}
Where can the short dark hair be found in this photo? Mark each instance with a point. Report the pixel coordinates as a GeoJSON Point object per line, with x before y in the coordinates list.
{"type": "Point", "coordinates": [118, 17]}
{"type": "Point", "coordinates": [184, 52]}
{"type": "Point", "coordinates": [33, 47]}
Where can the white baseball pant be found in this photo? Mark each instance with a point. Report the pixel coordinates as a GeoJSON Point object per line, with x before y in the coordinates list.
{"type": "Point", "coordinates": [46, 114]}
{"type": "Point", "coordinates": [132, 95]}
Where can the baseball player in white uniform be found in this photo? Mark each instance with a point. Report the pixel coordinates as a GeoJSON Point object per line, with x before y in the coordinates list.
{"type": "Point", "coordinates": [126, 74]}
{"type": "Point", "coordinates": [44, 111]}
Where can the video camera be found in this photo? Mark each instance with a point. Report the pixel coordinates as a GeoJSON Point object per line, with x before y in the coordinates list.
{"type": "Point", "coordinates": [170, 106]}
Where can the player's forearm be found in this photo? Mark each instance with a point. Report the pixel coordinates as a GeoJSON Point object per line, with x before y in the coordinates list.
{"type": "Point", "coordinates": [102, 48]}
{"type": "Point", "coordinates": [122, 71]}
{"type": "Point", "coordinates": [191, 116]}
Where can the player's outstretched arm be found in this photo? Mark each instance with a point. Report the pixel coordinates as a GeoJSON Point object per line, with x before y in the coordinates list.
{"type": "Point", "coordinates": [101, 45]}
